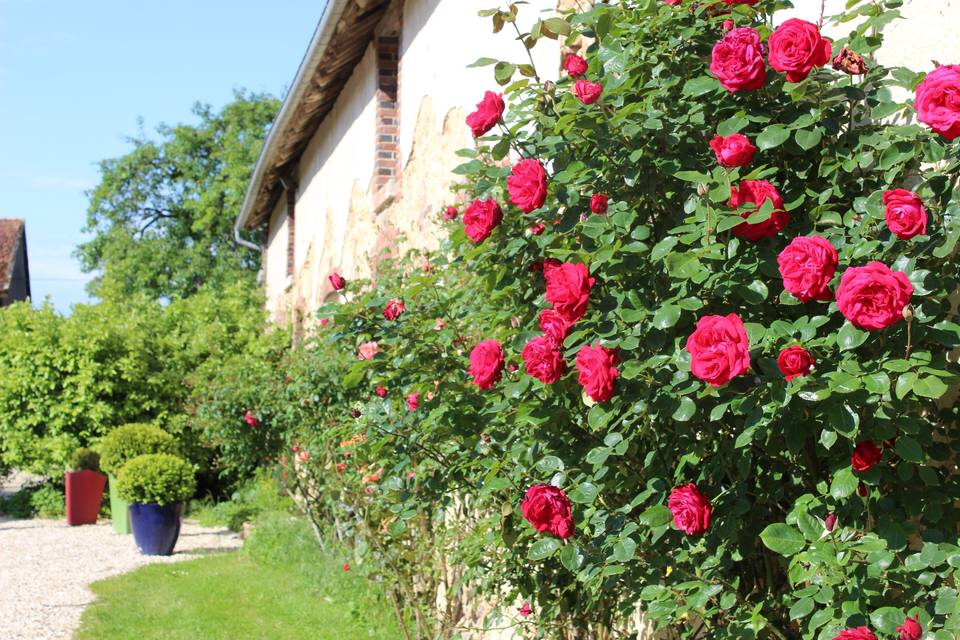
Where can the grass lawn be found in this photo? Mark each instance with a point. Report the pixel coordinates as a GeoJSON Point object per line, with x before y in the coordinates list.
{"type": "Point", "coordinates": [280, 586]}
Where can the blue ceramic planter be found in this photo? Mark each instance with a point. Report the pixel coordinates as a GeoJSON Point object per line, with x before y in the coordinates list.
{"type": "Point", "coordinates": [155, 527]}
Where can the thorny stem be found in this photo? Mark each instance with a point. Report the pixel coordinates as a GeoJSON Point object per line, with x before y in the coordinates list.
{"type": "Point", "coordinates": [527, 49]}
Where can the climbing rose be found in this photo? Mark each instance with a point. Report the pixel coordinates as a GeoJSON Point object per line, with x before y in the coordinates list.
{"type": "Point", "coordinates": [527, 185]}
{"type": "Point", "coordinates": [525, 610]}
{"type": "Point", "coordinates": [450, 213]}
{"type": "Point", "coordinates": [905, 214]}
{"type": "Point", "coordinates": [547, 508]}
{"type": "Point", "coordinates": [381, 391]}
{"type": "Point", "coordinates": [807, 265]}
{"type": "Point", "coordinates": [481, 217]}
{"type": "Point", "coordinates": [794, 362]}
{"type": "Point", "coordinates": [796, 47]}
{"type": "Point", "coordinates": [337, 281]}
{"type": "Point", "coordinates": [830, 523]}
{"type": "Point", "coordinates": [865, 455]}
{"type": "Point", "coordinates": [749, 2]}
{"type": "Point", "coordinates": [719, 349]}
{"type": "Point", "coordinates": [368, 350]}
{"type": "Point", "coordinates": [575, 65]}
{"type": "Point", "coordinates": [598, 203]}
{"type": "Point", "coordinates": [554, 325]}
{"type": "Point", "coordinates": [413, 401]}
{"type": "Point", "coordinates": [691, 509]}
{"type": "Point", "coordinates": [486, 363]}
{"type": "Point", "coordinates": [859, 633]}
{"type": "Point", "coordinates": [938, 101]}
{"type": "Point", "coordinates": [587, 92]}
{"type": "Point", "coordinates": [394, 309]}
{"type": "Point", "coordinates": [733, 151]}
{"type": "Point", "coordinates": [250, 419]}
{"type": "Point", "coordinates": [488, 114]}
{"type": "Point", "coordinates": [346, 566]}
{"type": "Point", "coordinates": [873, 297]}
{"type": "Point", "coordinates": [672, 2]}
{"type": "Point", "coordinates": [568, 288]}
{"type": "Point", "coordinates": [304, 456]}
{"type": "Point", "coordinates": [597, 371]}
{"type": "Point", "coordinates": [737, 60]}
{"type": "Point", "coordinates": [849, 62]}
{"type": "Point", "coordinates": [542, 360]}
{"type": "Point", "coordinates": [537, 229]}
{"type": "Point", "coordinates": [911, 629]}
{"type": "Point", "coordinates": [758, 192]}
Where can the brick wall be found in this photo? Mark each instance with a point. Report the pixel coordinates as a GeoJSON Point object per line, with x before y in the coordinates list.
{"type": "Point", "coordinates": [387, 161]}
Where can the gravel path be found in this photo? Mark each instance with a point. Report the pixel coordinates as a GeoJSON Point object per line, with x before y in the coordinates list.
{"type": "Point", "coordinates": [45, 567]}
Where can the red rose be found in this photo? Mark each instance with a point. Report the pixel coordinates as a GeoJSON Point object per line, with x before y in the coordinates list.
{"type": "Point", "coordinates": [587, 92]}
{"type": "Point", "coordinates": [719, 349]}
{"type": "Point", "coordinates": [450, 213]}
{"type": "Point", "coordinates": [733, 151]}
{"type": "Point", "coordinates": [413, 401]}
{"type": "Point", "coordinates": [859, 633]}
{"type": "Point", "coordinates": [337, 281]}
{"type": "Point", "coordinates": [597, 371]}
{"type": "Point", "coordinates": [525, 610]}
{"type": "Point", "coordinates": [873, 297]}
{"type": "Point", "coordinates": [758, 192]}
{"type": "Point", "coordinates": [250, 419]}
{"type": "Point", "coordinates": [807, 265]}
{"type": "Point", "coordinates": [796, 47]}
{"type": "Point", "coordinates": [527, 185]}
{"type": "Point", "coordinates": [598, 203]}
{"type": "Point", "coordinates": [547, 508]}
{"type": "Point", "coordinates": [938, 101]}
{"type": "Point", "coordinates": [568, 288]}
{"type": "Point", "coordinates": [905, 214]}
{"type": "Point", "coordinates": [481, 217]}
{"type": "Point", "coordinates": [737, 60]}
{"type": "Point", "coordinates": [346, 566]}
{"type": "Point", "coordinates": [830, 522]}
{"type": "Point", "coordinates": [691, 509]}
{"type": "Point", "coordinates": [862, 490]}
{"type": "Point", "coordinates": [748, 2]}
{"type": "Point", "coordinates": [488, 114]}
{"type": "Point", "coordinates": [542, 360]}
{"type": "Point", "coordinates": [486, 363]}
{"type": "Point", "coordinates": [554, 325]}
{"type": "Point", "coordinates": [537, 229]}
{"type": "Point", "coordinates": [865, 455]}
{"type": "Point", "coordinates": [672, 2]}
{"type": "Point", "coordinates": [381, 391]}
{"type": "Point", "coordinates": [394, 309]}
{"type": "Point", "coordinates": [794, 362]}
{"type": "Point", "coordinates": [575, 65]}
{"type": "Point", "coordinates": [911, 629]}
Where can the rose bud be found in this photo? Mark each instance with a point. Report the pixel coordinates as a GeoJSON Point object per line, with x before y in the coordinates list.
{"type": "Point", "coordinates": [830, 523]}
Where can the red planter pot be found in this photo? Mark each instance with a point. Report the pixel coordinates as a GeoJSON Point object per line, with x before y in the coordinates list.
{"type": "Point", "coordinates": [84, 493]}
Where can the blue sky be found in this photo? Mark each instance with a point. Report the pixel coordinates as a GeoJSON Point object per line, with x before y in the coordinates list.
{"type": "Point", "coordinates": [76, 76]}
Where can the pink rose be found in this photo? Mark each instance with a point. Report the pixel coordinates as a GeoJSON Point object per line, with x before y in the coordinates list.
{"type": "Point", "coordinates": [587, 92]}
{"type": "Point", "coordinates": [337, 281]}
{"type": "Point", "coordinates": [865, 455]}
{"type": "Point", "coordinates": [413, 401]}
{"type": "Point", "coordinates": [341, 467]}
{"type": "Point", "coordinates": [672, 3]}
{"type": "Point", "coordinates": [381, 391]}
{"type": "Point", "coordinates": [554, 325]}
{"type": "Point", "coordinates": [450, 213]}
{"type": "Point", "coordinates": [525, 610]}
{"type": "Point", "coordinates": [304, 456]}
{"type": "Point", "coordinates": [859, 633]}
{"type": "Point", "coordinates": [394, 309]}
{"type": "Point", "coordinates": [575, 65]}
{"type": "Point", "coordinates": [719, 349]}
{"type": "Point", "coordinates": [547, 508]}
{"type": "Point", "coordinates": [527, 185]}
{"type": "Point", "coordinates": [796, 47]}
{"type": "Point", "coordinates": [911, 629]}
{"type": "Point", "coordinates": [598, 203]}
{"type": "Point", "coordinates": [733, 151]}
{"type": "Point", "coordinates": [481, 217]}
{"type": "Point", "coordinates": [758, 192]}
{"type": "Point", "coordinates": [873, 297]}
{"type": "Point", "coordinates": [488, 114]}
{"type": "Point", "coordinates": [807, 265]}
{"type": "Point", "coordinates": [568, 289]}
{"type": "Point", "coordinates": [250, 419]}
{"type": "Point", "coordinates": [368, 350]}
{"type": "Point", "coordinates": [597, 371]}
{"type": "Point", "coordinates": [794, 362]}
{"type": "Point", "coordinates": [905, 214]}
{"type": "Point", "coordinates": [727, 25]}
{"type": "Point", "coordinates": [691, 509]}
{"type": "Point", "coordinates": [543, 360]}
{"type": "Point", "coordinates": [537, 229]}
{"type": "Point", "coordinates": [938, 101]}
{"type": "Point", "coordinates": [486, 363]}
{"type": "Point", "coordinates": [737, 60]}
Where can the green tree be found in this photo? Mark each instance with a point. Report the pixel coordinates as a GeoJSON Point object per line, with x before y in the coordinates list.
{"type": "Point", "coordinates": [162, 215]}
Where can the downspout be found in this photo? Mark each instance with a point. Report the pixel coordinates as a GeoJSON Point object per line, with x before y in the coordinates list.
{"type": "Point", "coordinates": [240, 241]}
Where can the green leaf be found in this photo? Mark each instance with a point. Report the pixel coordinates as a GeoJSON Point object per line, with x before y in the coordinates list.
{"type": "Point", "coordinates": [844, 484]}
{"type": "Point", "coordinates": [624, 549]}
{"type": "Point", "coordinates": [909, 449]}
{"type": "Point", "coordinates": [685, 411]}
{"type": "Point", "coordinates": [783, 539]}
{"type": "Point", "coordinates": [503, 72]}
{"type": "Point", "coordinates": [558, 26]}
{"type": "Point", "coordinates": [666, 316]}
{"type": "Point", "coordinates": [656, 516]}
{"type": "Point", "coordinates": [585, 493]}
{"type": "Point", "coordinates": [543, 548]}
{"type": "Point", "coordinates": [733, 124]}
{"type": "Point", "coordinates": [808, 138]}
{"type": "Point", "coordinates": [849, 337]}
{"type": "Point", "coordinates": [699, 86]}
{"type": "Point", "coordinates": [886, 619]}
{"type": "Point", "coordinates": [929, 387]}
{"type": "Point", "coordinates": [801, 608]}
{"type": "Point", "coordinates": [905, 383]}
{"type": "Point", "coordinates": [773, 136]}
{"type": "Point", "coordinates": [571, 557]}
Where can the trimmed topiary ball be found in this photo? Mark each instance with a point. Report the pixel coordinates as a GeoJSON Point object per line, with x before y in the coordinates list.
{"type": "Point", "coordinates": [131, 440]}
{"type": "Point", "coordinates": [156, 477]}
